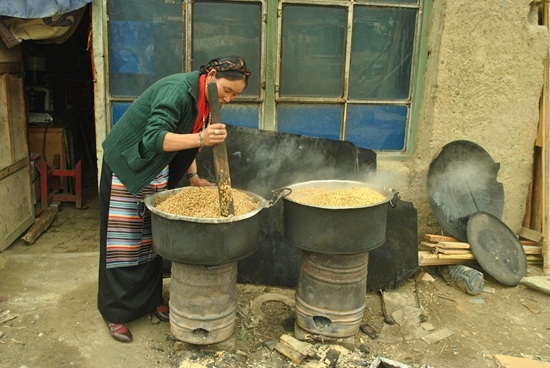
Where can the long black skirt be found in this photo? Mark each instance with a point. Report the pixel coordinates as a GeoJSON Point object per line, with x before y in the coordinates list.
{"type": "Point", "coordinates": [124, 293]}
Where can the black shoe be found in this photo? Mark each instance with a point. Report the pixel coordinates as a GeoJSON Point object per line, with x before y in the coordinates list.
{"type": "Point", "coordinates": [162, 313]}
{"type": "Point", "coordinates": [120, 332]}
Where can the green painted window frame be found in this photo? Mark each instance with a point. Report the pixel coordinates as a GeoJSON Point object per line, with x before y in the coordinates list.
{"type": "Point", "coordinates": [269, 69]}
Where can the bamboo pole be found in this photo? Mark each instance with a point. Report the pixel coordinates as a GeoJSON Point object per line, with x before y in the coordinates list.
{"type": "Point", "coordinates": [544, 121]}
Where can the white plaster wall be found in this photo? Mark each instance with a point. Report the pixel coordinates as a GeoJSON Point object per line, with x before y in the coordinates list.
{"type": "Point", "coordinates": [483, 83]}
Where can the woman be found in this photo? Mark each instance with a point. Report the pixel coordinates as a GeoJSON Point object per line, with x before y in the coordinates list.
{"type": "Point", "coordinates": [149, 149]}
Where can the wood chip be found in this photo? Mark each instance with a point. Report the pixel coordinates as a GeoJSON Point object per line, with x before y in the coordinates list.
{"type": "Point", "coordinates": [304, 348]}
{"type": "Point", "coordinates": [289, 352]}
{"type": "Point", "coordinates": [7, 316]}
{"type": "Point", "coordinates": [532, 307]}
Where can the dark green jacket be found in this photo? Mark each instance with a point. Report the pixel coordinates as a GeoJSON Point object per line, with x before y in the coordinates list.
{"type": "Point", "coordinates": [133, 148]}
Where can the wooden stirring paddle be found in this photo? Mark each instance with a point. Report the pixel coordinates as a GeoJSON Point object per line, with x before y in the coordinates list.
{"type": "Point", "coordinates": [221, 164]}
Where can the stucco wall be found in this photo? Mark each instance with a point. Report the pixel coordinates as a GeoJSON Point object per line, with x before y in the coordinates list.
{"type": "Point", "coordinates": [483, 82]}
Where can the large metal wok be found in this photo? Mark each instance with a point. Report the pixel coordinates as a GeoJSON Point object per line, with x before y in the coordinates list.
{"type": "Point", "coordinates": [336, 230]}
{"type": "Point", "coordinates": [462, 180]}
{"type": "Point", "coordinates": [205, 241]}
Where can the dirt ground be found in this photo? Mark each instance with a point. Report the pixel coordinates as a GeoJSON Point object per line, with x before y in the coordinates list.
{"type": "Point", "coordinates": [48, 317]}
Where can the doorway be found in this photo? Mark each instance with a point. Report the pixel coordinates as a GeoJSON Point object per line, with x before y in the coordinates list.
{"type": "Point", "coordinates": [59, 101]}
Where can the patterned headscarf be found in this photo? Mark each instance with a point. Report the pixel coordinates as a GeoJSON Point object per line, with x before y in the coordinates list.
{"type": "Point", "coordinates": [227, 66]}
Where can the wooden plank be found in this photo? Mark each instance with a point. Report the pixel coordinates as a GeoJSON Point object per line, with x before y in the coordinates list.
{"type": "Point", "coordinates": [544, 118]}
{"type": "Point", "coordinates": [529, 251]}
{"type": "Point", "coordinates": [530, 234]}
{"type": "Point", "coordinates": [456, 256]}
{"type": "Point", "coordinates": [304, 348]}
{"type": "Point", "coordinates": [17, 211]}
{"type": "Point", "coordinates": [426, 258]}
{"type": "Point", "coordinates": [532, 249]}
{"type": "Point", "coordinates": [453, 245]}
{"type": "Point", "coordinates": [538, 283]}
{"type": "Point", "coordinates": [506, 361]}
{"type": "Point", "coordinates": [289, 352]}
{"type": "Point", "coordinates": [428, 244]}
{"type": "Point", "coordinates": [535, 259]}
{"type": "Point", "coordinates": [40, 225]}
{"type": "Point", "coordinates": [544, 121]}
{"type": "Point", "coordinates": [8, 170]}
{"type": "Point", "coordinates": [438, 238]}
{"type": "Point", "coordinates": [221, 162]}
{"type": "Point", "coordinates": [529, 246]}
{"type": "Point", "coordinates": [5, 34]}
{"type": "Point", "coordinates": [452, 251]}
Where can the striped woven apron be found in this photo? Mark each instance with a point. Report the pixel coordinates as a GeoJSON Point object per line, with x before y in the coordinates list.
{"type": "Point", "coordinates": [129, 233]}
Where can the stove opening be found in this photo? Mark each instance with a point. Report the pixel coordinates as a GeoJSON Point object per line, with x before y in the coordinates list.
{"type": "Point", "coordinates": [200, 334]}
{"type": "Point", "coordinates": [321, 322]}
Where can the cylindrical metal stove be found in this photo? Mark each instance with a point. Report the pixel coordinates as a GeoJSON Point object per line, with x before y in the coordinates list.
{"type": "Point", "coordinates": [332, 284]}
{"type": "Point", "coordinates": [330, 295]}
{"type": "Point", "coordinates": [203, 298]}
{"type": "Point", "coordinates": [203, 302]}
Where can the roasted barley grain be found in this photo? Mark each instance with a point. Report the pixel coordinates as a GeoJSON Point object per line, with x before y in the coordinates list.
{"type": "Point", "coordinates": [203, 202]}
{"type": "Point", "coordinates": [333, 197]}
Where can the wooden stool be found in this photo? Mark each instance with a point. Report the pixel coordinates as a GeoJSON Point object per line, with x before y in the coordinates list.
{"type": "Point", "coordinates": [48, 195]}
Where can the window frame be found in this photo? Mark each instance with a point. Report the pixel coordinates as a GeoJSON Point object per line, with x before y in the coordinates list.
{"type": "Point", "coordinates": [270, 65]}
{"type": "Point", "coordinates": [418, 64]}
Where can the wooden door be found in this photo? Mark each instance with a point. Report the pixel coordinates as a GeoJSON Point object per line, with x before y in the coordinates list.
{"type": "Point", "coordinates": [16, 204]}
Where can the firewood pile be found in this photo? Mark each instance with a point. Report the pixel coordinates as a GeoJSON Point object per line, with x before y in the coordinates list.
{"type": "Point", "coordinates": [438, 250]}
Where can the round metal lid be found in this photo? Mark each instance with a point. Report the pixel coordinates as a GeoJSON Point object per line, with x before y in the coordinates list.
{"type": "Point", "coordinates": [496, 248]}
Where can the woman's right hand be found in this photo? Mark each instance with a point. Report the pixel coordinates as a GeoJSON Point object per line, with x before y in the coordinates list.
{"type": "Point", "coordinates": [214, 134]}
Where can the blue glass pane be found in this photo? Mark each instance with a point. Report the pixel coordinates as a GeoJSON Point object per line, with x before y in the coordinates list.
{"type": "Point", "coordinates": [322, 121]}
{"type": "Point", "coordinates": [145, 43]}
{"type": "Point", "coordinates": [241, 115]}
{"type": "Point", "coordinates": [312, 57]}
{"type": "Point", "coordinates": [381, 52]}
{"type": "Point", "coordinates": [377, 127]}
{"type": "Point", "coordinates": [228, 28]}
{"type": "Point", "coordinates": [118, 109]}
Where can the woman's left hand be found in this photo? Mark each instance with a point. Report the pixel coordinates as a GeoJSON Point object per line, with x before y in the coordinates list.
{"type": "Point", "coordinates": [197, 181]}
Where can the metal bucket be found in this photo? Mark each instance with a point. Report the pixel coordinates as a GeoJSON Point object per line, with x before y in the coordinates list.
{"type": "Point", "coordinates": [342, 230]}
{"type": "Point", "coordinates": [330, 296]}
{"type": "Point", "coordinates": [203, 302]}
{"type": "Point", "coordinates": [206, 241]}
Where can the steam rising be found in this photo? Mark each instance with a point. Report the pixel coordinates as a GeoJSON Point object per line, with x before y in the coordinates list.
{"type": "Point", "coordinates": [290, 159]}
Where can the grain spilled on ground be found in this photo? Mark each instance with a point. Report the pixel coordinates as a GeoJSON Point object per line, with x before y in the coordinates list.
{"type": "Point", "coordinates": [334, 197]}
{"type": "Point", "coordinates": [203, 202]}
